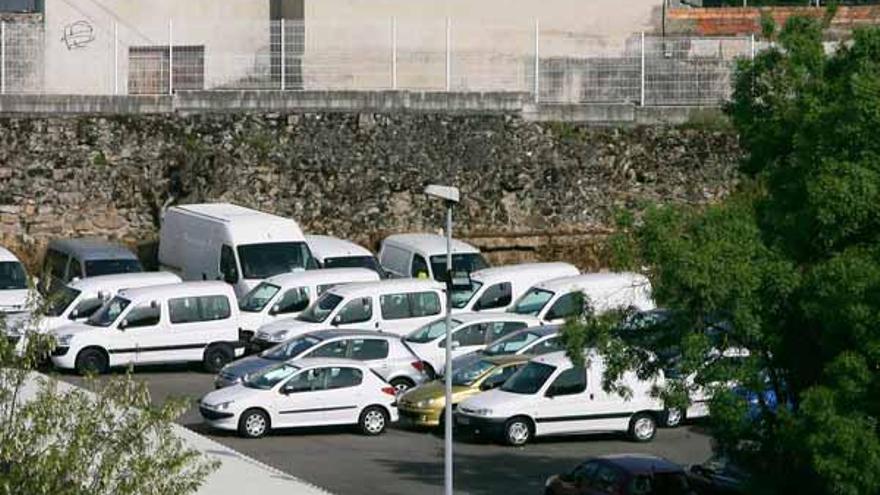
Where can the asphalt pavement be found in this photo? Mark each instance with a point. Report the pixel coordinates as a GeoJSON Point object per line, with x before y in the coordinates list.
{"type": "Point", "coordinates": [408, 462]}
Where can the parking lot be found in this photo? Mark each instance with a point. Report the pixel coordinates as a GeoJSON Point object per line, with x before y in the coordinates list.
{"type": "Point", "coordinates": [408, 462]}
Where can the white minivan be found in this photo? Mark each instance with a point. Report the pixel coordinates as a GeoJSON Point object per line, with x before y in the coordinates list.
{"type": "Point", "coordinates": [333, 252]}
{"type": "Point", "coordinates": [393, 306]}
{"type": "Point", "coordinates": [289, 294]}
{"type": "Point", "coordinates": [185, 322]}
{"type": "Point", "coordinates": [424, 256]}
{"type": "Point", "coordinates": [496, 288]}
{"type": "Point", "coordinates": [555, 300]}
{"type": "Point", "coordinates": [221, 241]}
{"type": "Point", "coordinates": [551, 396]}
{"type": "Point", "coordinates": [13, 283]}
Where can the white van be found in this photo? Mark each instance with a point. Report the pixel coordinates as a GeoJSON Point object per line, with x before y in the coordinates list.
{"type": "Point", "coordinates": [393, 306]}
{"type": "Point", "coordinates": [555, 300]}
{"type": "Point", "coordinates": [424, 256]}
{"type": "Point", "coordinates": [333, 252]}
{"type": "Point", "coordinates": [221, 241]}
{"type": "Point", "coordinates": [13, 283]}
{"type": "Point", "coordinates": [190, 321]}
{"type": "Point", "coordinates": [287, 295]}
{"type": "Point", "coordinates": [550, 396]}
{"type": "Point", "coordinates": [496, 288]}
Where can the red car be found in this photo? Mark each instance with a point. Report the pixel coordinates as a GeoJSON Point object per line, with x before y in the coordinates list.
{"type": "Point", "coordinates": [626, 474]}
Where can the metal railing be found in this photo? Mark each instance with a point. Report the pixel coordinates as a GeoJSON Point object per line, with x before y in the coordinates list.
{"type": "Point", "coordinates": [553, 64]}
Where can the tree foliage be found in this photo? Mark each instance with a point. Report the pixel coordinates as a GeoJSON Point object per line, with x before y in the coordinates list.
{"type": "Point", "coordinates": [791, 261]}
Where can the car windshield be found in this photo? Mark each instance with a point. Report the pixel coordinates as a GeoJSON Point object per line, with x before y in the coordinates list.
{"type": "Point", "coordinates": [529, 379]}
{"type": "Point", "coordinates": [511, 344]}
{"type": "Point", "coordinates": [269, 259]}
{"type": "Point", "coordinates": [60, 299]}
{"type": "Point", "coordinates": [431, 331]}
{"type": "Point", "coordinates": [367, 262]}
{"type": "Point", "coordinates": [469, 262]}
{"type": "Point", "coordinates": [465, 377]}
{"type": "Point", "coordinates": [257, 299]}
{"type": "Point", "coordinates": [12, 276]}
{"type": "Point", "coordinates": [270, 377]}
{"type": "Point", "coordinates": [291, 348]}
{"type": "Point", "coordinates": [461, 297]}
{"type": "Point", "coordinates": [659, 484]}
{"type": "Point", "coordinates": [109, 312]}
{"type": "Point", "coordinates": [532, 302]}
{"type": "Point", "coordinates": [95, 268]}
{"type": "Point", "coordinates": [320, 309]}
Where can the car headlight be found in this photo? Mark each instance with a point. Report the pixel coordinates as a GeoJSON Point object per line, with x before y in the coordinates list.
{"type": "Point", "coordinates": [423, 404]}
{"type": "Point", "coordinates": [223, 405]}
{"type": "Point", "coordinates": [65, 339]}
{"type": "Point", "coordinates": [279, 335]}
{"type": "Point", "coordinates": [482, 412]}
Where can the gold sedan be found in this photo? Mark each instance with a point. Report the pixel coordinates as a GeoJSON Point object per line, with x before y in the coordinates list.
{"type": "Point", "coordinates": [423, 405]}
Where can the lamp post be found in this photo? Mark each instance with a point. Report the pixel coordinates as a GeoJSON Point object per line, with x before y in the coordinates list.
{"type": "Point", "coordinates": [450, 197]}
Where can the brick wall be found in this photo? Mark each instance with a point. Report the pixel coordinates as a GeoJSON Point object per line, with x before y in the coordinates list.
{"type": "Point", "coordinates": [743, 21]}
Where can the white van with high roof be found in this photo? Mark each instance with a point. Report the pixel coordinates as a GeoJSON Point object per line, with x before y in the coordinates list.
{"type": "Point", "coordinates": [496, 288]}
{"type": "Point", "coordinates": [424, 256]}
{"type": "Point", "coordinates": [222, 241]}
{"type": "Point", "coordinates": [184, 322]}
{"type": "Point", "coordinates": [13, 283]}
{"type": "Point", "coordinates": [556, 300]}
{"type": "Point", "coordinates": [393, 306]}
{"type": "Point", "coordinates": [289, 294]}
{"type": "Point", "coordinates": [333, 252]}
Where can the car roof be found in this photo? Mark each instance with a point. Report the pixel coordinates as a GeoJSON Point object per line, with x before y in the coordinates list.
{"type": "Point", "coordinates": [7, 255]}
{"type": "Point", "coordinates": [478, 316]}
{"type": "Point", "coordinates": [506, 272]}
{"type": "Point", "coordinates": [637, 464]}
{"type": "Point", "coordinates": [429, 244]}
{"type": "Point", "coordinates": [555, 359]}
{"type": "Point", "coordinates": [325, 246]}
{"type": "Point", "coordinates": [312, 362]}
{"type": "Point", "coordinates": [540, 330]}
{"type": "Point", "coordinates": [183, 289]}
{"type": "Point", "coordinates": [324, 276]}
{"type": "Point", "coordinates": [248, 226]}
{"type": "Point", "coordinates": [119, 280]}
{"type": "Point", "coordinates": [592, 280]}
{"type": "Point", "coordinates": [336, 333]}
{"type": "Point", "coordinates": [507, 359]}
{"type": "Point", "coordinates": [88, 248]}
{"type": "Point", "coordinates": [398, 284]}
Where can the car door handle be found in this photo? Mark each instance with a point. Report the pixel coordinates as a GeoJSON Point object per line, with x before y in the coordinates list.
{"type": "Point", "coordinates": [592, 397]}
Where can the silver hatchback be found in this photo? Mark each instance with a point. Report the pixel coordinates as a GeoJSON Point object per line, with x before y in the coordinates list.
{"type": "Point", "coordinates": [384, 353]}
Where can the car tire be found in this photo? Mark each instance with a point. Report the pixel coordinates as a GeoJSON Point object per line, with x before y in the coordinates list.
{"type": "Point", "coordinates": [401, 385]}
{"type": "Point", "coordinates": [642, 427]}
{"type": "Point", "coordinates": [216, 357]}
{"type": "Point", "coordinates": [518, 431]}
{"type": "Point", "coordinates": [253, 423]}
{"type": "Point", "coordinates": [373, 421]}
{"type": "Point", "coordinates": [673, 418]}
{"type": "Point", "coordinates": [91, 361]}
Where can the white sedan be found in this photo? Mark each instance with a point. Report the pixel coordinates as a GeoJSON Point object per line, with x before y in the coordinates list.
{"type": "Point", "coordinates": [309, 392]}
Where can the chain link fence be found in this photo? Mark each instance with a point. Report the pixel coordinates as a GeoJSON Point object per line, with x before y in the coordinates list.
{"type": "Point", "coordinates": [554, 65]}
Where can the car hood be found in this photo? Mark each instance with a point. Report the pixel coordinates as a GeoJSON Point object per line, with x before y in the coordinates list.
{"type": "Point", "coordinates": [247, 365]}
{"type": "Point", "coordinates": [437, 390]}
{"type": "Point", "coordinates": [289, 324]}
{"type": "Point", "coordinates": [235, 393]}
{"type": "Point", "coordinates": [13, 301]}
{"type": "Point", "coordinates": [76, 329]}
{"type": "Point", "coordinates": [492, 399]}
{"type": "Point", "coordinates": [251, 321]}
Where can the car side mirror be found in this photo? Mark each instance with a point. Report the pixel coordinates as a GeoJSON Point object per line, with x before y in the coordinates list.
{"type": "Point", "coordinates": [74, 314]}
{"type": "Point", "coordinates": [286, 390]}
{"type": "Point", "coordinates": [275, 310]}
{"type": "Point", "coordinates": [123, 324]}
{"type": "Point", "coordinates": [455, 344]}
{"type": "Point", "coordinates": [489, 385]}
{"type": "Point", "coordinates": [337, 320]}
{"type": "Point", "coordinates": [550, 393]}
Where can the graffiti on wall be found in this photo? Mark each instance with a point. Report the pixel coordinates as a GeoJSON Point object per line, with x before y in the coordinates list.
{"type": "Point", "coordinates": [78, 34]}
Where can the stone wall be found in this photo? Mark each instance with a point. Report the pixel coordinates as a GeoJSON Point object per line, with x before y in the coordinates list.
{"type": "Point", "coordinates": [531, 190]}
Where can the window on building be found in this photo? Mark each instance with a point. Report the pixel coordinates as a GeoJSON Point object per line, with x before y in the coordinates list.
{"type": "Point", "coordinates": [148, 69]}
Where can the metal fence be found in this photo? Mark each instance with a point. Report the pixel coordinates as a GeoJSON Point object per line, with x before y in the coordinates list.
{"type": "Point", "coordinates": [555, 65]}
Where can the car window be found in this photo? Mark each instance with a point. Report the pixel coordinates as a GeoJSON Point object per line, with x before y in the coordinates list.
{"type": "Point", "coordinates": [607, 479]}
{"type": "Point", "coordinates": [419, 267]}
{"type": "Point", "coordinates": [308, 381]}
{"type": "Point", "coordinates": [94, 268]}
{"type": "Point", "coordinates": [394, 259]}
{"type": "Point", "coordinates": [414, 305]}
{"type": "Point", "coordinates": [424, 304]}
{"type": "Point", "coordinates": [496, 296]}
{"type": "Point", "coordinates": [343, 378]}
{"type": "Point", "coordinates": [228, 269]}
{"type": "Point", "coordinates": [511, 344]}
{"type": "Point", "coordinates": [257, 299]}
{"type": "Point", "coordinates": [500, 375]}
{"type": "Point", "coordinates": [569, 382]}
{"type": "Point", "coordinates": [394, 306]}
{"type": "Point", "coordinates": [57, 264]}
{"type": "Point", "coordinates": [335, 349]}
{"type": "Point", "coordinates": [369, 349]}
{"type": "Point", "coordinates": [143, 315]}
{"type": "Point", "coordinates": [86, 308]}
{"type": "Point", "coordinates": [470, 335]}
{"type": "Point", "coordinates": [293, 301]}
{"type": "Point", "coordinates": [564, 307]}
{"type": "Point", "coordinates": [197, 309]}
{"type": "Point", "coordinates": [585, 472]}
{"type": "Point", "coordinates": [552, 344]}
{"type": "Point", "coordinates": [356, 311]}
{"type": "Point", "coordinates": [501, 329]}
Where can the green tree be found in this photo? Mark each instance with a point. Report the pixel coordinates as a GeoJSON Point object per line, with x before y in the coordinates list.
{"type": "Point", "coordinates": [791, 260]}
{"type": "Point", "coordinates": [105, 439]}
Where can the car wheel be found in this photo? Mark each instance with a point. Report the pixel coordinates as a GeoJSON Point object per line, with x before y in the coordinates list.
{"type": "Point", "coordinates": [642, 427]}
{"type": "Point", "coordinates": [216, 357]}
{"type": "Point", "coordinates": [517, 432]}
{"type": "Point", "coordinates": [401, 385]}
{"type": "Point", "coordinates": [253, 423]}
{"type": "Point", "coordinates": [373, 421]}
{"type": "Point", "coordinates": [91, 361]}
{"type": "Point", "coordinates": [673, 418]}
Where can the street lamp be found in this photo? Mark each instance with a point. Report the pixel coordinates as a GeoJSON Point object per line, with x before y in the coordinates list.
{"type": "Point", "coordinates": [450, 196]}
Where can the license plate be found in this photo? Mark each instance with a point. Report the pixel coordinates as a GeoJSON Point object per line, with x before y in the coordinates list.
{"type": "Point", "coordinates": [462, 420]}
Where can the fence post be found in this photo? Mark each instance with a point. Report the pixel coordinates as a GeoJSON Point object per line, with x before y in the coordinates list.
{"type": "Point", "coordinates": [2, 57]}
{"type": "Point", "coordinates": [283, 56]}
{"type": "Point", "coordinates": [393, 52]}
{"type": "Point", "coordinates": [115, 58]}
{"type": "Point", "coordinates": [170, 57]}
{"type": "Point", "coordinates": [642, 83]}
{"type": "Point", "coordinates": [752, 46]}
{"type": "Point", "coordinates": [448, 54]}
{"type": "Point", "coordinates": [537, 60]}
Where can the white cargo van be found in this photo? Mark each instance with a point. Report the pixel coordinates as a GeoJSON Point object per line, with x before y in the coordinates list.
{"type": "Point", "coordinates": [221, 241]}
{"type": "Point", "coordinates": [13, 283]}
{"type": "Point", "coordinates": [496, 288]}
{"type": "Point", "coordinates": [393, 306]}
{"type": "Point", "coordinates": [287, 295]}
{"type": "Point", "coordinates": [424, 256]}
{"type": "Point", "coordinates": [555, 300]}
{"type": "Point", "coordinates": [333, 252]}
{"type": "Point", "coordinates": [550, 396]}
{"type": "Point", "coordinates": [190, 321]}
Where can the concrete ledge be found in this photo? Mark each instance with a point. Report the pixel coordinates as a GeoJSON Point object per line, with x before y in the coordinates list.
{"type": "Point", "coordinates": [84, 104]}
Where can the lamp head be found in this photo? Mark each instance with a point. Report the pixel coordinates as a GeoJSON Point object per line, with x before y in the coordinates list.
{"type": "Point", "coordinates": [446, 193]}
